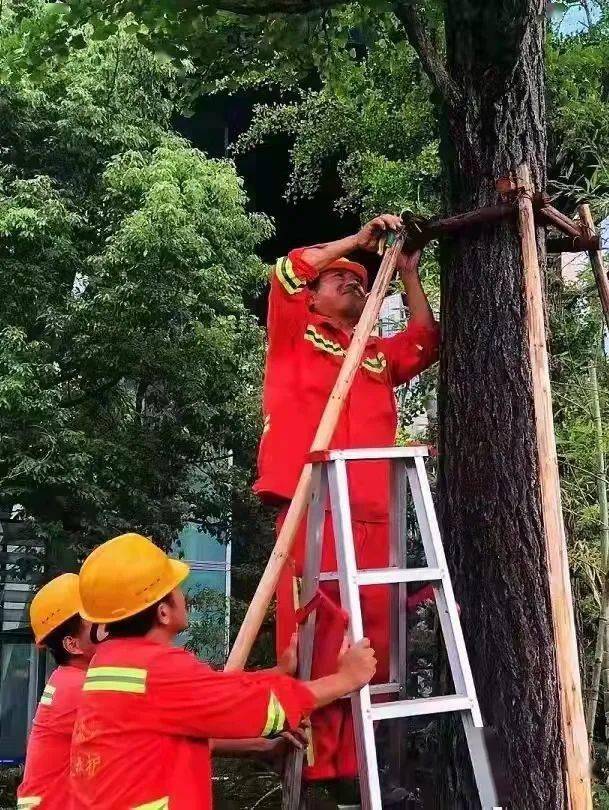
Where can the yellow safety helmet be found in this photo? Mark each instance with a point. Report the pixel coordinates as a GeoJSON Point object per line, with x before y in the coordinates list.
{"type": "Point", "coordinates": [124, 576]}
{"type": "Point", "coordinates": [54, 604]}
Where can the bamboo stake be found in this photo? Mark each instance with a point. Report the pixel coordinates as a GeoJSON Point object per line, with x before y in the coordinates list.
{"type": "Point", "coordinates": [266, 588]}
{"type": "Point", "coordinates": [603, 621]}
{"type": "Point", "coordinates": [596, 260]}
{"type": "Point", "coordinates": [573, 726]}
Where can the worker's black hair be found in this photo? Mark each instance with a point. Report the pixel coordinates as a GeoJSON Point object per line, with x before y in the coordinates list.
{"type": "Point", "coordinates": [314, 284]}
{"type": "Point", "coordinates": [54, 641]}
{"type": "Point", "coordinates": [137, 625]}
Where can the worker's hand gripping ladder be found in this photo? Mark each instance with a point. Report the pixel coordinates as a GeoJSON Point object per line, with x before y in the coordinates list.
{"type": "Point", "coordinates": [330, 476]}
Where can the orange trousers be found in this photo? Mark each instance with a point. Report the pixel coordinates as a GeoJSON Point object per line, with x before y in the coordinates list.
{"type": "Point", "coordinates": [332, 752]}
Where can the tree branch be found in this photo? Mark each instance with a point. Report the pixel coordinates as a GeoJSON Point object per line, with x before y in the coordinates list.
{"type": "Point", "coordinates": [71, 403]}
{"type": "Point", "coordinates": [407, 13]}
{"type": "Point", "coordinates": [253, 7]}
{"type": "Point", "coordinates": [588, 12]}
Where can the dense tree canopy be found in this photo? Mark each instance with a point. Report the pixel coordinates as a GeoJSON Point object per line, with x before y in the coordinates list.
{"type": "Point", "coordinates": [130, 363]}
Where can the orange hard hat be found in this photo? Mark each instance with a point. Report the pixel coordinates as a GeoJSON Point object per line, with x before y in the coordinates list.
{"type": "Point", "coordinates": [54, 604]}
{"type": "Point", "coordinates": [124, 576]}
{"type": "Point", "coordinates": [355, 267]}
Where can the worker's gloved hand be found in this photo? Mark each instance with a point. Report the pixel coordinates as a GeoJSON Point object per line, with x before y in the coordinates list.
{"type": "Point", "coordinates": [368, 236]}
{"type": "Point", "coordinates": [356, 664]}
{"type": "Point", "coordinates": [287, 663]}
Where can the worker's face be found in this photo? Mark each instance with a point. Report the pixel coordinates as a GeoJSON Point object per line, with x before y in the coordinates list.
{"type": "Point", "coordinates": [81, 644]}
{"type": "Point", "coordinates": [173, 614]}
{"type": "Point", "coordinates": [339, 294]}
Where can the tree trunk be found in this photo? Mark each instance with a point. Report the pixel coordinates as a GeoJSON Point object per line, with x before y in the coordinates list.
{"type": "Point", "coordinates": [488, 477]}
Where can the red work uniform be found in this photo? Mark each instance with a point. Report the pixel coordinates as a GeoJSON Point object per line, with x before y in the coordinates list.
{"type": "Point", "coordinates": [305, 352]}
{"type": "Point", "coordinates": [47, 764]}
{"type": "Point", "coordinates": [141, 739]}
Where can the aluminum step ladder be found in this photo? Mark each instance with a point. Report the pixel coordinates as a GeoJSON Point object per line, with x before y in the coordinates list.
{"type": "Point", "coordinates": [407, 471]}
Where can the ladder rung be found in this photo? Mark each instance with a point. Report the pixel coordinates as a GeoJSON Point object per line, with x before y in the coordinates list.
{"type": "Point", "coordinates": [380, 689]}
{"type": "Point", "coordinates": [384, 688]}
{"type": "Point", "coordinates": [388, 576]}
{"type": "Point", "coordinates": [419, 707]}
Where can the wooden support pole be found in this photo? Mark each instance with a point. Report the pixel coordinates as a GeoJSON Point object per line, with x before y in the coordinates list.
{"type": "Point", "coordinates": [420, 231]}
{"type": "Point", "coordinates": [603, 620]}
{"type": "Point", "coordinates": [266, 588]}
{"type": "Point", "coordinates": [573, 726]}
{"type": "Point", "coordinates": [572, 244]}
{"type": "Point", "coordinates": [552, 216]}
{"type": "Point", "coordinates": [596, 260]}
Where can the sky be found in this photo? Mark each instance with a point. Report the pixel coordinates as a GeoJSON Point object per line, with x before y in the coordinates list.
{"type": "Point", "coordinates": [574, 19]}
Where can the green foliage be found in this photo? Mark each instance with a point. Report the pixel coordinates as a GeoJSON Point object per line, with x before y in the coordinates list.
{"type": "Point", "coordinates": [207, 629]}
{"type": "Point", "coordinates": [578, 107]}
{"type": "Point", "coordinates": [601, 797]}
{"type": "Point", "coordinates": [129, 361]}
{"type": "Point", "coordinates": [373, 119]}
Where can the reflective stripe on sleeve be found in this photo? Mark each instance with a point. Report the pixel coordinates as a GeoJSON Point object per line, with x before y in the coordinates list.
{"type": "Point", "coordinates": [286, 276]}
{"type": "Point", "coordinates": [275, 717]}
{"type": "Point", "coordinates": [25, 802]}
{"type": "Point", "coordinates": [46, 699]}
{"type": "Point", "coordinates": [158, 804]}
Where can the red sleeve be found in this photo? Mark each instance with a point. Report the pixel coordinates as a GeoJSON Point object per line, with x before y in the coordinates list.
{"type": "Point", "coordinates": [289, 298]}
{"type": "Point", "coordinates": [193, 700]}
{"type": "Point", "coordinates": [411, 351]}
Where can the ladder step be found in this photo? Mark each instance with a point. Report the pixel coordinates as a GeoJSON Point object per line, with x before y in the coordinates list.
{"type": "Point", "coordinates": [419, 707]}
{"type": "Point", "coordinates": [380, 689]}
{"type": "Point", "coordinates": [389, 576]}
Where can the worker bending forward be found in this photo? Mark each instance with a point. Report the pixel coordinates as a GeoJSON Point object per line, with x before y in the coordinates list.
{"type": "Point", "coordinates": [317, 296]}
{"type": "Point", "coordinates": [55, 620]}
{"type": "Point", "coordinates": [148, 709]}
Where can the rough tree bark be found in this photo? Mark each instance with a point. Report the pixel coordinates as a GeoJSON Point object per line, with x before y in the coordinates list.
{"type": "Point", "coordinates": [488, 481]}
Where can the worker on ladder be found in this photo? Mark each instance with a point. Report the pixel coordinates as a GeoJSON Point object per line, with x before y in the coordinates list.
{"type": "Point", "coordinates": [316, 298]}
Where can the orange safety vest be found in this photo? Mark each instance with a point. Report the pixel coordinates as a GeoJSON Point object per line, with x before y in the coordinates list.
{"type": "Point", "coordinates": [148, 710]}
{"type": "Point", "coordinates": [47, 764]}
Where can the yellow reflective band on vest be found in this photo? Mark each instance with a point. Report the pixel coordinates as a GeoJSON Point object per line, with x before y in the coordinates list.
{"type": "Point", "coordinates": [275, 717]}
{"type": "Point", "coordinates": [47, 696]}
{"type": "Point", "coordinates": [286, 276]}
{"type": "Point", "coordinates": [159, 804]}
{"type": "Point", "coordinates": [116, 679]}
{"type": "Point", "coordinates": [313, 336]}
{"type": "Point", "coordinates": [375, 364]}
{"type": "Point", "coordinates": [25, 802]}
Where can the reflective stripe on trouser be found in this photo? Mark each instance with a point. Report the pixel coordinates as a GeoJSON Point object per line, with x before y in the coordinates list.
{"type": "Point", "coordinates": [25, 802]}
